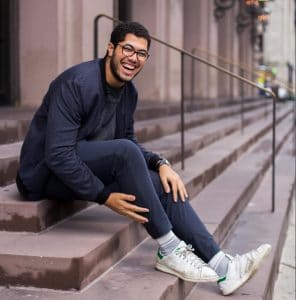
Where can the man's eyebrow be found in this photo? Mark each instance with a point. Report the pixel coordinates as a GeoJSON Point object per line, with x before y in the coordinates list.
{"type": "Point", "coordinates": [127, 44]}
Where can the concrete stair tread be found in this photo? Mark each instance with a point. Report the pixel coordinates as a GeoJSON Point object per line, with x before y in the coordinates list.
{"type": "Point", "coordinates": [135, 277]}
{"type": "Point", "coordinates": [211, 160]}
{"type": "Point", "coordinates": [151, 109]}
{"type": "Point", "coordinates": [85, 225]}
{"type": "Point", "coordinates": [228, 144]}
{"type": "Point", "coordinates": [156, 127]}
{"type": "Point", "coordinates": [9, 159]}
{"type": "Point", "coordinates": [75, 237]}
{"type": "Point", "coordinates": [33, 216]}
{"type": "Point", "coordinates": [14, 122]}
{"type": "Point", "coordinates": [253, 227]}
{"type": "Point", "coordinates": [10, 150]}
{"type": "Point", "coordinates": [203, 132]}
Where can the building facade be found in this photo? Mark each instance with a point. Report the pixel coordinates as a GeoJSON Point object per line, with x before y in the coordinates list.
{"type": "Point", "coordinates": [44, 37]}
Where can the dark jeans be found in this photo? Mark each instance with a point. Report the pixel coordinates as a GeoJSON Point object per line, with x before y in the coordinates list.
{"type": "Point", "coordinates": [121, 166]}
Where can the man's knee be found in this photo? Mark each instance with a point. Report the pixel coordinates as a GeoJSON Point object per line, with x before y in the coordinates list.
{"type": "Point", "coordinates": [127, 148]}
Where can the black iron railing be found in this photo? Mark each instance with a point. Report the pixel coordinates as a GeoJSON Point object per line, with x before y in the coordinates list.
{"type": "Point", "coordinates": [184, 53]}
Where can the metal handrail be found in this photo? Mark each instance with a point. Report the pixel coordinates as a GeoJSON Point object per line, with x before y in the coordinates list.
{"type": "Point", "coordinates": [241, 66]}
{"type": "Point", "coordinates": [204, 61]}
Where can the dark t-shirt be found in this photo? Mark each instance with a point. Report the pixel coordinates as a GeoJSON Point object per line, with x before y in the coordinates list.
{"type": "Point", "coordinates": [106, 129]}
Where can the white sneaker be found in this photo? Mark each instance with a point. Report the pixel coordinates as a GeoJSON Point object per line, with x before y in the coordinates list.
{"type": "Point", "coordinates": [184, 264]}
{"type": "Point", "coordinates": [241, 268]}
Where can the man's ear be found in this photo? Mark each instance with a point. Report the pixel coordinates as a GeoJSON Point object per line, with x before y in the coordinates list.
{"type": "Point", "coordinates": [110, 49]}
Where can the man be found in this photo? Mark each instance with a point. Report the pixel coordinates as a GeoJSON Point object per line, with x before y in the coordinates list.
{"type": "Point", "coordinates": [81, 144]}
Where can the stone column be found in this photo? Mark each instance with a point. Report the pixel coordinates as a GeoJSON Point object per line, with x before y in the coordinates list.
{"type": "Point", "coordinates": [55, 35]}
{"type": "Point", "coordinates": [69, 33]}
{"type": "Point", "coordinates": [160, 78]}
{"type": "Point", "coordinates": [225, 47]}
{"type": "Point", "coordinates": [213, 48]}
{"type": "Point", "coordinates": [196, 36]}
{"type": "Point", "coordinates": [38, 48]}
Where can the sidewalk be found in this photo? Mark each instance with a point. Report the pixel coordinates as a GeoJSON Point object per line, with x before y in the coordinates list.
{"type": "Point", "coordinates": [285, 284]}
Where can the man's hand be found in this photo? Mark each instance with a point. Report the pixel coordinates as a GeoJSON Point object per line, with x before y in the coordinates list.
{"type": "Point", "coordinates": [120, 203]}
{"type": "Point", "coordinates": [171, 180]}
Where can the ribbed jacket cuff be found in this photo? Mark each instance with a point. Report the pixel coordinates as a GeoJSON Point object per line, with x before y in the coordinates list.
{"type": "Point", "coordinates": [103, 195]}
{"type": "Point", "coordinates": [153, 162]}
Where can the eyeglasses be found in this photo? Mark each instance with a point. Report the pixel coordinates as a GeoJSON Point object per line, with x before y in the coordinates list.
{"type": "Point", "coordinates": [128, 50]}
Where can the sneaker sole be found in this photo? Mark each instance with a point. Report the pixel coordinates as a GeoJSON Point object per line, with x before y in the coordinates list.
{"type": "Point", "coordinates": [250, 274]}
{"type": "Point", "coordinates": [165, 269]}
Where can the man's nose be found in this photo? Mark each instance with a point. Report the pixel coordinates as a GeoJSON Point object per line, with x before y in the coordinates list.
{"type": "Point", "coordinates": [134, 57]}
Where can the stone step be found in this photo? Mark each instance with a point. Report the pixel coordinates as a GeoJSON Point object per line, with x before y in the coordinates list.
{"type": "Point", "coordinates": [199, 137]}
{"type": "Point", "coordinates": [9, 153]}
{"type": "Point", "coordinates": [258, 225]}
{"type": "Point", "coordinates": [14, 122]}
{"type": "Point", "coordinates": [73, 253]}
{"type": "Point", "coordinates": [158, 127]}
{"type": "Point", "coordinates": [134, 276]}
{"type": "Point", "coordinates": [37, 216]}
{"type": "Point", "coordinates": [150, 110]}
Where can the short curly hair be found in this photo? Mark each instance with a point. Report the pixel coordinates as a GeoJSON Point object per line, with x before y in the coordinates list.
{"type": "Point", "coordinates": [121, 30]}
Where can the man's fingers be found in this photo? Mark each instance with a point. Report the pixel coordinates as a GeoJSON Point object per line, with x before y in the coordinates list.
{"type": "Point", "coordinates": [165, 184]}
{"type": "Point", "coordinates": [175, 191]}
{"type": "Point", "coordinates": [137, 217]}
{"type": "Point", "coordinates": [127, 197]}
{"type": "Point", "coordinates": [183, 192]}
{"type": "Point", "coordinates": [133, 212]}
{"type": "Point", "coordinates": [135, 208]}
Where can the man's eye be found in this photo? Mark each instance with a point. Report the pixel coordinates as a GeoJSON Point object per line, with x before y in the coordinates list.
{"type": "Point", "coordinates": [142, 54]}
{"type": "Point", "coordinates": [128, 49]}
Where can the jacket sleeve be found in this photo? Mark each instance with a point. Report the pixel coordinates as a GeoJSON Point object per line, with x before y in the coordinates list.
{"type": "Point", "coordinates": [150, 157]}
{"type": "Point", "coordinates": [65, 114]}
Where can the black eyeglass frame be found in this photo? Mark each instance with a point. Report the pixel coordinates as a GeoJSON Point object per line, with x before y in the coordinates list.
{"type": "Point", "coordinates": [133, 51]}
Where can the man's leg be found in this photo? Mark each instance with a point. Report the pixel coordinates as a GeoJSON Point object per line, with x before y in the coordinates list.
{"type": "Point", "coordinates": [186, 223]}
{"type": "Point", "coordinates": [233, 271]}
{"type": "Point", "coordinates": [120, 164]}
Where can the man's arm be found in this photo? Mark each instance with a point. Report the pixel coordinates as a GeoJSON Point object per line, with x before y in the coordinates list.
{"type": "Point", "coordinates": [65, 113]}
{"type": "Point", "coordinates": [171, 181]}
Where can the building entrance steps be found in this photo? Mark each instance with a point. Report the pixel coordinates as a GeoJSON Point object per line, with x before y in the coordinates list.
{"type": "Point", "coordinates": [151, 129]}
{"type": "Point", "coordinates": [32, 216]}
{"type": "Point", "coordinates": [134, 277]}
{"type": "Point", "coordinates": [9, 153]}
{"type": "Point", "coordinates": [199, 137]}
{"type": "Point", "coordinates": [154, 109]}
{"type": "Point", "coordinates": [158, 127]}
{"type": "Point", "coordinates": [14, 122]}
{"type": "Point", "coordinates": [257, 225]}
{"type": "Point", "coordinates": [75, 252]}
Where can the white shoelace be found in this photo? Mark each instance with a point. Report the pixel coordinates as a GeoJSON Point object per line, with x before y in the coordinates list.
{"type": "Point", "coordinates": [186, 253]}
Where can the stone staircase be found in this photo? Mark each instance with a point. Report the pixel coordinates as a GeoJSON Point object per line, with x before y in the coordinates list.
{"type": "Point", "coordinates": [79, 250]}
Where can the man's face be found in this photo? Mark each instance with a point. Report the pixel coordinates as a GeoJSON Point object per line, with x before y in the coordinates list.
{"type": "Point", "coordinates": [125, 63]}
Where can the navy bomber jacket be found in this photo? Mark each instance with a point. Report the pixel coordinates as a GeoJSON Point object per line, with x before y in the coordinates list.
{"type": "Point", "coordinates": [70, 112]}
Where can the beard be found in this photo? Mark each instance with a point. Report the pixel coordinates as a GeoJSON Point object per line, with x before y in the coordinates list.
{"type": "Point", "coordinates": [114, 70]}
{"type": "Point", "coordinates": [114, 66]}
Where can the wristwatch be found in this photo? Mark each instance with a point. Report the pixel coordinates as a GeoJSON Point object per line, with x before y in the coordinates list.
{"type": "Point", "coordinates": [162, 161]}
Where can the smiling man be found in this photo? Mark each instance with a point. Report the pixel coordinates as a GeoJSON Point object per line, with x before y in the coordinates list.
{"type": "Point", "coordinates": [81, 145]}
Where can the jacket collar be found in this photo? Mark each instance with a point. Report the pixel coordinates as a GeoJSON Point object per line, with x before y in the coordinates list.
{"type": "Point", "coordinates": [103, 74]}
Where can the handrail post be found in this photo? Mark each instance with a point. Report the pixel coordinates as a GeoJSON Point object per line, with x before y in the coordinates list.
{"type": "Point", "coordinates": [273, 152]}
{"type": "Point", "coordinates": [242, 94]}
{"type": "Point", "coordinates": [182, 114]}
{"type": "Point", "coordinates": [96, 31]}
{"type": "Point", "coordinates": [192, 76]}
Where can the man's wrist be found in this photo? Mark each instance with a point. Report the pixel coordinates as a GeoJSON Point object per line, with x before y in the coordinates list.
{"type": "Point", "coordinates": [161, 162]}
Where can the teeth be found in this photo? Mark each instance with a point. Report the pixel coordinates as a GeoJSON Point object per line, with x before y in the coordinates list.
{"type": "Point", "coordinates": [129, 67]}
